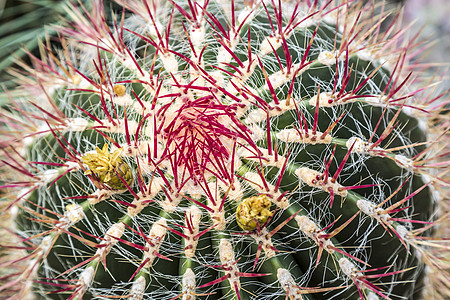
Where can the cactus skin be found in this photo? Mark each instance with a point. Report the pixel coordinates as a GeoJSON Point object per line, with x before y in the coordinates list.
{"type": "Point", "coordinates": [210, 103]}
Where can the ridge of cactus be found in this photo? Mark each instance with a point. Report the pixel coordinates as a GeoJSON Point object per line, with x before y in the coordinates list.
{"type": "Point", "coordinates": [211, 149]}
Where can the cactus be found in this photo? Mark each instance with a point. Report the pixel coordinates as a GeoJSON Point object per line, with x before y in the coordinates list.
{"type": "Point", "coordinates": [226, 150]}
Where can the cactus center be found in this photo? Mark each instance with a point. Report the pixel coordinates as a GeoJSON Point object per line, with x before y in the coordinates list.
{"type": "Point", "coordinates": [199, 133]}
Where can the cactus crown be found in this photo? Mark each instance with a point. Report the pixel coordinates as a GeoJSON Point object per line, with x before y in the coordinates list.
{"type": "Point", "coordinates": [226, 149]}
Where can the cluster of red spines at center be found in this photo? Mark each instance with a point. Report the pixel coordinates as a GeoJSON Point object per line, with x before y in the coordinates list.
{"type": "Point", "coordinates": [201, 137]}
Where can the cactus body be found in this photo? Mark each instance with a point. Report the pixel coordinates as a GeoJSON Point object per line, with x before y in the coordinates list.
{"type": "Point", "coordinates": [227, 149]}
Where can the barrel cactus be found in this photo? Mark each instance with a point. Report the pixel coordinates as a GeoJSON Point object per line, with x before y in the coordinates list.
{"type": "Point", "coordinates": [226, 150]}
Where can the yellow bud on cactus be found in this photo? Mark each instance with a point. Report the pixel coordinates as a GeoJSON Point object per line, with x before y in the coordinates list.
{"type": "Point", "coordinates": [107, 167]}
{"type": "Point", "coordinates": [120, 90]}
{"type": "Point", "coordinates": [253, 212]}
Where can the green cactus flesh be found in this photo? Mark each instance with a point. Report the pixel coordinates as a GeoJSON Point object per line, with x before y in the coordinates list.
{"type": "Point", "coordinates": [146, 140]}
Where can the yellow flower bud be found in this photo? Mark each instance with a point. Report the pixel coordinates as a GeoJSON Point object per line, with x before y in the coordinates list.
{"type": "Point", "coordinates": [120, 90]}
{"type": "Point", "coordinates": [252, 211]}
{"type": "Point", "coordinates": [106, 166]}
